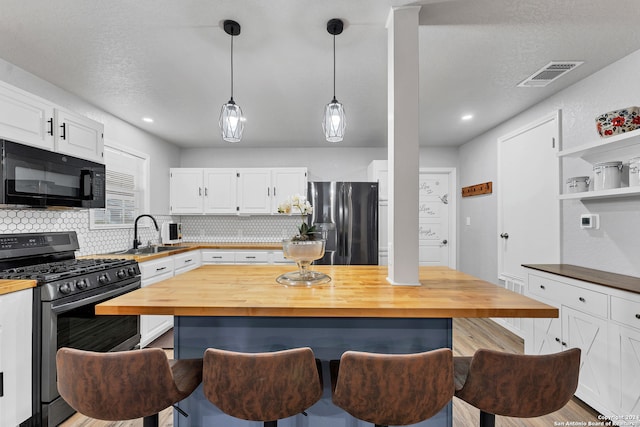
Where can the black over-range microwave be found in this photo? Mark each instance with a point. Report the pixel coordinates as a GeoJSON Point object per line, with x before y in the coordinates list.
{"type": "Point", "coordinates": [40, 178]}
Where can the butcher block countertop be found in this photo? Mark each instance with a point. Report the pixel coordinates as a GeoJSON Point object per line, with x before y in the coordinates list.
{"type": "Point", "coordinates": [599, 277]}
{"type": "Point", "coordinates": [355, 291]}
{"type": "Point", "coordinates": [8, 286]}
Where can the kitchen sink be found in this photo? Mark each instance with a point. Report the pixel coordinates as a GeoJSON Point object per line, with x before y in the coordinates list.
{"type": "Point", "coordinates": [147, 250]}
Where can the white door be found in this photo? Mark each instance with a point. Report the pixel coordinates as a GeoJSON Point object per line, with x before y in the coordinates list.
{"type": "Point", "coordinates": [528, 214]}
{"type": "Point", "coordinates": [434, 222]}
{"type": "Point", "coordinates": [220, 190]}
{"type": "Point", "coordinates": [287, 182]}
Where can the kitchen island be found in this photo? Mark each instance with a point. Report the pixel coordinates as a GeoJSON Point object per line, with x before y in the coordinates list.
{"type": "Point", "coordinates": [243, 308]}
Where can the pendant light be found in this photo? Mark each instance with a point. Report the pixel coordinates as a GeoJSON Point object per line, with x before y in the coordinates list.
{"type": "Point", "coordinates": [231, 119]}
{"type": "Point", "coordinates": [333, 122]}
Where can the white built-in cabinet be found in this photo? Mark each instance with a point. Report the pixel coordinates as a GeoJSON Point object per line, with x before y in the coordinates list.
{"type": "Point", "coordinates": [238, 256]}
{"type": "Point", "coordinates": [154, 271]}
{"type": "Point", "coordinates": [604, 323]}
{"type": "Point", "coordinates": [28, 119]}
{"type": "Point", "coordinates": [196, 191]}
{"type": "Point", "coordinates": [15, 357]}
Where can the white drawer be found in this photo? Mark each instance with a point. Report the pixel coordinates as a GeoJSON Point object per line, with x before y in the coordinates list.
{"type": "Point", "coordinates": [189, 259]}
{"type": "Point", "coordinates": [153, 268]}
{"type": "Point", "coordinates": [625, 311]}
{"type": "Point", "coordinates": [278, 258]}
{"type": "Point", "coordinates": [255, 257]}
{"type": "Point", "coordinates": [218, 257]}
{"type": "Point", "coordinates": [585, 300]}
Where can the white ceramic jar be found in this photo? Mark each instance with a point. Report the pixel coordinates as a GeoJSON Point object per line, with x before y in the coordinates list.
{"type": "Point", "coordinates": [634, 172]}
{"type": "Point", "coordinates": [578, 184]}
{"type": "Point", "coordinates": [607, 175]}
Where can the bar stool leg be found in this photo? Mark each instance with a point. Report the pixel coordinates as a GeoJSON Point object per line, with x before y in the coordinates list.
{"type": "Point", "coordinates": [271, 424]}
{"type": "Point", "coordinates": [487, 419]}
{"type": "Point", "coordinates": [150, 421]}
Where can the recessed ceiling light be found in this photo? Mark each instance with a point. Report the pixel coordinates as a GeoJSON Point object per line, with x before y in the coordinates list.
{"type": "Point", "coordinates": [467, 117]}
{"type": "Point", "coordinates": [147, 119]}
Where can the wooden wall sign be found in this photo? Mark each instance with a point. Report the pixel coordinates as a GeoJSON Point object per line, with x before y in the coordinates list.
{"type": "Point", "coordinates": [476, 190]}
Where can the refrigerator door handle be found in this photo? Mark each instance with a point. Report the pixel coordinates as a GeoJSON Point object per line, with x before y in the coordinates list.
{"type": "Point", "coordinates": [349, 223]}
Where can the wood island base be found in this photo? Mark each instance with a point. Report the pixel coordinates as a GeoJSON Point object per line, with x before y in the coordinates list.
{"type": "Point", "coordinates": [328, 337]}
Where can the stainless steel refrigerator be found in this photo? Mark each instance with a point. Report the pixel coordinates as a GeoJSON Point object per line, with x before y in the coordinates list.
{"type": "Point", "coordinates": [347, 215]}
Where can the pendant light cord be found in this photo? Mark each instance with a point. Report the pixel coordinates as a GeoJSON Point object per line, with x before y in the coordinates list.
{"type": "Point", "coordinates": [232, 68]}
{"type": "Point", "coordinates": [334, 66]}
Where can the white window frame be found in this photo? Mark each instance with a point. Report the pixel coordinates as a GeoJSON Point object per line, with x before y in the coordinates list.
{"type": "Point", "coordinates": [144, 178]}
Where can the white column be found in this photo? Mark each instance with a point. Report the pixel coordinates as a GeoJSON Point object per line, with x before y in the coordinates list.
{"type": "Point", "coordinates": [403, 87]}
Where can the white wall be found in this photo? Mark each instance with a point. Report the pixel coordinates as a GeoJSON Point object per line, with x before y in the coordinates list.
{"type": "Point", "coordinates": [324, 163]}
{"type": "Point", "coordinates": [163, 154]}
{"type": "Point", "coordinates": [615, 247]}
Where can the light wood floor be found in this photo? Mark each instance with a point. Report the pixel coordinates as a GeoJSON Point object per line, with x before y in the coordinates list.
{"type": "Point", "coordinates": [468, 335]}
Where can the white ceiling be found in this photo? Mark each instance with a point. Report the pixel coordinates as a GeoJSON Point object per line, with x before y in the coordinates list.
{"type": "Point", "coordinates": [169, 60]}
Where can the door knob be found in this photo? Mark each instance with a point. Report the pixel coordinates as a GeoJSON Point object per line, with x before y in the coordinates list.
{"type": "Point", "coordinates": [444, 242]}
{"type": "Point", "coordinates": [504, 235]}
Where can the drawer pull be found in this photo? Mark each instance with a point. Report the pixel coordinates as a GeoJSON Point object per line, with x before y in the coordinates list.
{"type": "Point", "coordinates": [250, 257]}
{"type": "Point", "coordinates": [187, 260]}
{"type": "Point", "coordinates": [161, 268]}
{"type": "Point", "coordinates": [638, 316]}
{"type": "Point", "coordinates": [564, 344]}
{"type": "Point", "coordinates": [542, 287]}
{"type": "Point", "coordinates": [557, 339]}
{"type": "Point", "coordinates": [581, 299]}
{"type": "Point", "coordinates": [217, 257]}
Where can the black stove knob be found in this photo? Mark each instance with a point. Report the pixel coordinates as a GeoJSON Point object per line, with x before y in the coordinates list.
{"type": "Point", "coordinates": [131, 271]}
{"type": "Point", "coordinates": [66, 288]}
{"type": "Point", "coordinates": [82, 284]}
{"type": "Point", "coordinates": [103, 279]}
{"type": "Point", "coordinates": [121, 274]}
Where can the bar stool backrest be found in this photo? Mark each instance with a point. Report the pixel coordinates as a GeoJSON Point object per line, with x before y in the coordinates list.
{"type": "Point", "coordinates": [517, 385]}
{"type": "Point", "coordinates": [261, 386]}
{"type": "Point", "coordinates": [394, 389]}
{"type": "Point", "coordinates": [119, 385]}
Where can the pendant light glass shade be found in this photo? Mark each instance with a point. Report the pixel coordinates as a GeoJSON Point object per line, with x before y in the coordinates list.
{"type": "Point", "coordinates": [334, 121]}
{"type": "Point", "coordinates": [231, 120]}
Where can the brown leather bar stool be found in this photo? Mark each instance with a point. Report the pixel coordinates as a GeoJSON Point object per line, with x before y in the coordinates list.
{"type": "Point", "coordinates": [393, 389]}
{"type": "Point", "coordinates": [262, 386]}
{"type": "Point", "coordinates": [516, 385]}
{"type": "Point", "coordinates": [125, 385]}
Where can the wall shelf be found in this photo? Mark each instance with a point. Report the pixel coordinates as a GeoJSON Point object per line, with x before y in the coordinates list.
{"type": "Point", "coordinates": [602, 194]}
{"type": "Point", "coordinates": [620, 147]}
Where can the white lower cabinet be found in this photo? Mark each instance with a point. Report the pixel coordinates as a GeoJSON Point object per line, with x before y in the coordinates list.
{"type": "Point", "coordinates": [152, 326]}
{"type": "Point", "coordinates": [187, 261]}
{"type": "Point", "coordinates": [604, 323]}
{"type": "Point", "coordinates": [15, 357]}
{"type": "Point", "coordinates": [221, 256]}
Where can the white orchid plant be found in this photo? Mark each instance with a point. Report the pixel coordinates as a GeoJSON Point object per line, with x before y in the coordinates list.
{"type": "Point", "coordinates": [298, 204]}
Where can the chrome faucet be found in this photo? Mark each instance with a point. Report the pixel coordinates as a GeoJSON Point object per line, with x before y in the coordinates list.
{"type": "Point", "coordinates": [136, 242]}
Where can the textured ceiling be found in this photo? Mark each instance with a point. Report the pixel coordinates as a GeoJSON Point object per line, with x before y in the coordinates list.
{"type": "Point", "coordinates": [169, 60]}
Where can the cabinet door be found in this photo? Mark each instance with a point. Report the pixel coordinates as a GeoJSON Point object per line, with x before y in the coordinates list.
{"type": "Point", "coordinates": [254, 190]}
{"type": "Point", "coordinates": [15, 356]}
{"type": "Point", "coordinates": [589, 333]}
{"type": "Point", "coordinates": [152, 326]}
{"type": "Point", "coordinates": [25, 118]}
{"type": "Point", "coordinates": [287, 182]}
{"type": "Point", "coordinates": [625, 358]}
{"type": "Point", "coordinates": [220, 192]}
{"type": "Point", "coordinates": [186, 192]}
{"type": "Point", "coordinates": [79, 136]}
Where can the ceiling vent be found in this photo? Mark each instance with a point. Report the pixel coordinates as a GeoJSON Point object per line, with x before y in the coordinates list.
{"type": "Point", "coordinates": [549, 73]}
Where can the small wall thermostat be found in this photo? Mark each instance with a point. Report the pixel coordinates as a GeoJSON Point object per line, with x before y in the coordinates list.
{"type": "Point", "coordinates": [590, 221]}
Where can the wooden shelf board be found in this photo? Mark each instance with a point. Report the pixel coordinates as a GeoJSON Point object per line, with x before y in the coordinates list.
{"type": "Point", "coordinates": [602, 194]}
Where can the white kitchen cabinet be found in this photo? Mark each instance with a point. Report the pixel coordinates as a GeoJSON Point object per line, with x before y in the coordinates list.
{"type": "Point", "coordinates": [257, 191]}
{"type": "Point", "coordinates": [15, 357]}
{"type": "Point", "coordinates": [25, 118]}
{"type": "Point", "coordinates": [254, 190]}
{"type": "Point", "coordinates": [604, 323]}
{"type": "Point", "coordinates": [287, 182]}
{"type": "Point", "coordinates": [220, 191]}
{"type": "Point", "coordinates": [186, 262]}
{"type": "Point", "coordinates": [152, 326]}
{"type": "Point", "coordinates": [79, 136]}
{"type": "Point", "coordinates": [235, 256]}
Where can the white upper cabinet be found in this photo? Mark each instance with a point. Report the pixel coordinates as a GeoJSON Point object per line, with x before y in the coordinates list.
{"type": "Point", "coordinates": [28, 119]}
{"type": "Point", "coordinates": [220, 195]}
{"type": "Point", "coordinates": [287, 182]}
{"type": "Point", "coordinates": [79, 136]}
{"type": "Point", "coordinates": [254, 190]}
{"type": "Point", "coordinates": [233, 191]}
{"type": "Point", "coordinates": [25, 118]}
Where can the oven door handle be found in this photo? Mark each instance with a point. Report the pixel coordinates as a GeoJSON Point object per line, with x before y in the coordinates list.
{"type": "Point", "coordinates": [95, 298]}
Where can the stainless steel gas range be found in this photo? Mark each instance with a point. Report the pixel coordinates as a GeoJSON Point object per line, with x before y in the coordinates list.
{"type": "Point", "coordinates": [63, 308]}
